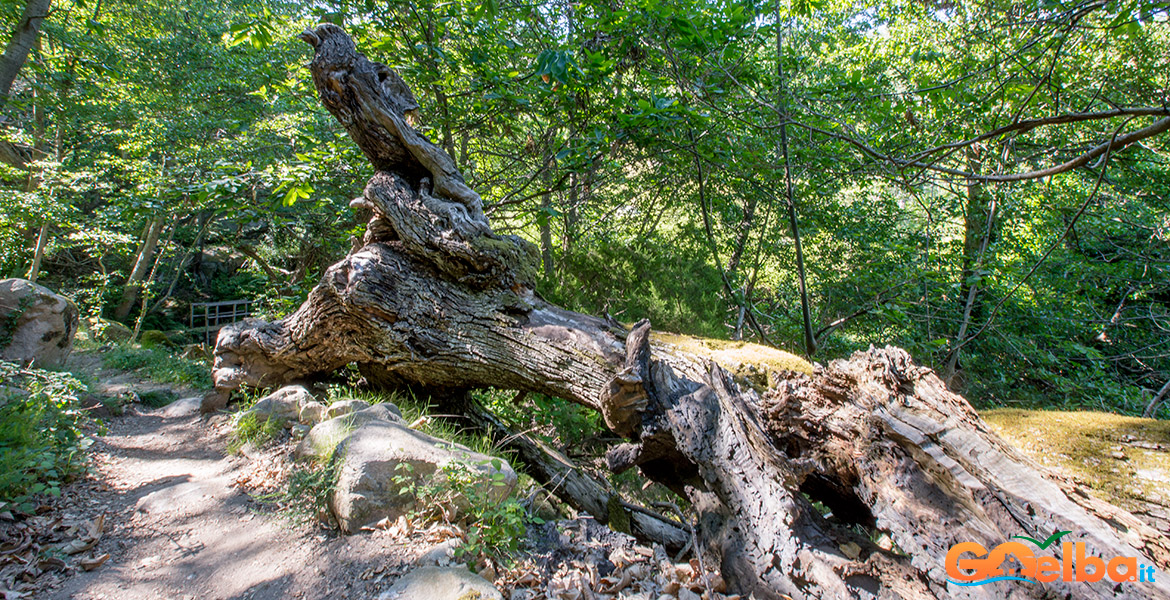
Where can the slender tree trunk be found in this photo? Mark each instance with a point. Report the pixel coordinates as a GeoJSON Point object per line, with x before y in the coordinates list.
{"type": "Point", "coordinates": [150, 279]}
{"type": "Point", "coordinates": [36, 177]}
{"type": "Point", "coordinates": [977, 234]}
{"type": "Point", "coordinates": [545, 222]}
{"type": "Point", "coordinates": [1159, 398]}
{"type": "Point", "coordinates": [810, 341]}
{"type": "Point", "coordinates": [39, 253]}
{"type": "Point", "coordinates": [21, 43]}
{"type": "Point", "coordinates": [138, 273]}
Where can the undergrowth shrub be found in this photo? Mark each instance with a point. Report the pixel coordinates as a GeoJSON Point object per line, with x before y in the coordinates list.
{"type": "Point", "coordinates": [304, 497]}
{"type": "Point", "coordinates": [458, 494]}
{"type": "Point", "coordinates": [159, 365]}
{"type": "Point", "coordinates": [43, 438]}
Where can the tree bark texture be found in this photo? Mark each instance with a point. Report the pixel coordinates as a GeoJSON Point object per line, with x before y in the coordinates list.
{"type": "Point", "coordinates": [21, 42]}
{"type": "Point", "coordinates": [434, 298]}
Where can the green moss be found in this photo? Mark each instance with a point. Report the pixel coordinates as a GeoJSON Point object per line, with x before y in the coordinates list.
{"type": "Point", "coordinates": [1125, 459]}
{"type": "Point", "coordinates": [736, 356]}
{"type": "Point", "coordinates": [619, 519]}
{"type": "Point", "coordinates": [517, 253]}
{"type": "Point", "coordinates": [153, 338]}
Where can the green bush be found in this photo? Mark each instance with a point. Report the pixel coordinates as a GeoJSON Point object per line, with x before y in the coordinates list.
{"type": "Point", "coordinates": [494, 528]}
{"type": "Point", "coordinates": [42, 433]}
{"type": "Point", "coordinates": [305, 496]}
{"type": "Point", "coordinates": [159, 365]}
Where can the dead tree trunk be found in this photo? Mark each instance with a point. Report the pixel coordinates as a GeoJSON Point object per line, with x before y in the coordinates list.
{"type": "Point", "coordinates": [435, 298]}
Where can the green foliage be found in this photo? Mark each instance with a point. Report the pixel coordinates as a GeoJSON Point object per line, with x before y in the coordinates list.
{"type": "Point", "coordinates": [43, 439]}
{"type": "Point", "coordinates": [558, 422]}
{"type": "Point", "coordinates": [158, 398]}
{"type": "Point", "coordinates": [159, 365]}
{"type": "Point", "coordinates": [602, 118]}
{"type": "Point", "coordinates": [458, 493]}
{"type": "Point", "coordinates": [305, 495]}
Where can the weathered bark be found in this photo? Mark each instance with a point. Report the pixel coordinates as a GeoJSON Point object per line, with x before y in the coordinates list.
{"type": "Point", "coordinates": [434, 298]}
{"type": "Point", "coordinates": [581, 491]}
{"type": "Point", "coordinates": [16, 52]}
{"type": "Point", "coordinates": [21, 42]}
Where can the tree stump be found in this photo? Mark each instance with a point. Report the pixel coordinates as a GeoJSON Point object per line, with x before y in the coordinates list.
{"type": "Point", "coordinates": [852, 482]}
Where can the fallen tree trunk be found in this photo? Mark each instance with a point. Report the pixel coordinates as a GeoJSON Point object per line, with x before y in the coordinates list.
{"type": "Point", "coordinates": [905, 469]}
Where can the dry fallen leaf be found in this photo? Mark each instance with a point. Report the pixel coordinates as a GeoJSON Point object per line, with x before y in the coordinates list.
{"type": "Point", "coordinates": [90, 564]}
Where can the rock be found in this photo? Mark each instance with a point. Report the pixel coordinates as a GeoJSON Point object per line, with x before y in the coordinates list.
{"type": "Point", "coordinates": [441, 583]}
{"type": "Point", "coordinates": [368, 462]}
{"type": "Point", "coordinates": [344, 407]}
{"type": "Point", "coordinates": [214, 401]}
{"type": "Point", "coordinates": [312, 413]}
{"type": "Point", "coordinates": [299, 431]}
{"type": "Point", "coordinates": [186, 498]}
{"type": "Point", "coordinates": [325, 436]}
{"type": "Point", "coordinates": [36, 325]}
{"type": "Point", "coordinates": [439, 555]}
{"type": "Point", "coordinates": [107, 330]}
{"type": "Point", "coordinates": [183, 407]}
{"type": "Point", "coordinates": [153, 338]}
{"type": "Point", "coordinates": [283, 405]}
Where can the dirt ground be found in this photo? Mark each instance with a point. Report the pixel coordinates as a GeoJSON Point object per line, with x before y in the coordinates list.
{"type": "Point", "coordinates": [176, 527]}
{"type": "Point", "coordinates": [179, 523]}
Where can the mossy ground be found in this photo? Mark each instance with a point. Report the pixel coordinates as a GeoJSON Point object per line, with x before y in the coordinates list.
{"type": "Point", "coordinates": [1125, 459]}
{"type": "Point", "coordinates": [733, 355]}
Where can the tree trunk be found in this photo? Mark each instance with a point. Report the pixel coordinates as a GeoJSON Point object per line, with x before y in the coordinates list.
{"type": "Point", "coordinates": [134, 281]}
{"type": "Point", "coordinates": [21, 42]}
{"type": "Point", "coordinates": [977, 234]}
{"type": "Point", "coordinates": [435, 299]}
{"type": "Point", "coordinates": [39, 252]}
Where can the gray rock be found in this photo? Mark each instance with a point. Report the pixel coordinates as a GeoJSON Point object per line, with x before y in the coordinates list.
{"type": "Point", "coordinates": [282, 405]}
{"type": "Point", "coordinates": [439, 555]}
{"type": "Point", "coordinates": [183, 407]}
{"type": "Point", "coordinates": [187, 498]}
{"type": "Point", "coordinates": [299, 431]}
{"type": "Point", "coordinates": [441, 583]}
{"type": "Point", "coordinates": [368, 463]}
{"type": "Point", "coordinates": [326, 435]}
{"type": "Point", "coordinates": [312, 413]}
{"type": "Point", "coordinates": [344, 407]}
{"type": "Point", "coordinates": [36, 325]}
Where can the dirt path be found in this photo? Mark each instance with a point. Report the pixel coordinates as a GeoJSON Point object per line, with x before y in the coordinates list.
{"type": "Point", "coordinates": [177, 528]}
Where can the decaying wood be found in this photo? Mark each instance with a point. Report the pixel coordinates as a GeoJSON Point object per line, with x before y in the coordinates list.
{"type": "Point", "coordinates": [434, 298]}
{"type": "Point", "coordinates": [580, 490]}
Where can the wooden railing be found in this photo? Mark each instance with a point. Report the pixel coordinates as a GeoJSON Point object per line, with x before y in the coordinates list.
{"type": "Point", "coordinates": [208, 317]}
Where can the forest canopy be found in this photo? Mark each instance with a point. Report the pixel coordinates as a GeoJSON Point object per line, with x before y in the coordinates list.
{"type": "Point", "coordinates": [983, 184]}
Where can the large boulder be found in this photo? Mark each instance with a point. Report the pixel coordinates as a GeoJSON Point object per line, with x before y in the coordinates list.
{"type": "Point", "coordinates": [378, 459]}
{"type": "Point", "coordinates": [441, 583]}
{"type": "Point", "coordinates": [36, 325]}
{"type": "Point", "coordinates": [326, 435]}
